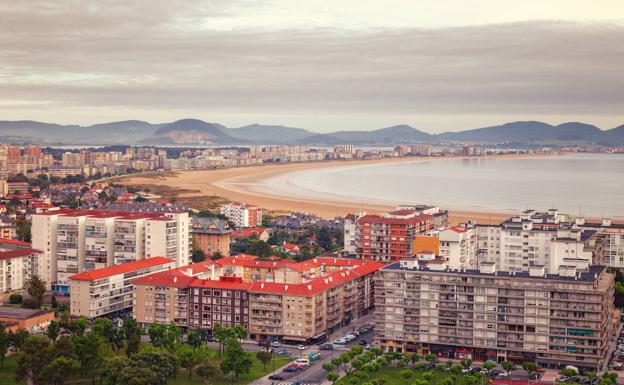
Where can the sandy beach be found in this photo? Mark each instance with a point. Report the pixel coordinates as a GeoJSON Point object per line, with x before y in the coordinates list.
{"type": "Point", "coordinates": [235, 184]}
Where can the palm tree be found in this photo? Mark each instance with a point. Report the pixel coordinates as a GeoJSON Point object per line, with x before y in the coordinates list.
{"type": "Point", "coordinates": [36, 287]}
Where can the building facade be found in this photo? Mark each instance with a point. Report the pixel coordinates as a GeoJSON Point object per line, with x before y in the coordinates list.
{"type": "Point", "coordinates": [18, 262]}
{"type": "Point", "coordinates": [211, 235]}
{"type": "Point", "coordinates": [560, 319]}
{"type": "Point", "coordinates": [73, 241]}
{"type": "Point", "coordinates": [243, 215]}
{"type": "Point", "coordinates": [108, 291]}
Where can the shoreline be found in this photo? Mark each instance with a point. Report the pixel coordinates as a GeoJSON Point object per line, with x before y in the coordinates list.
{"type": "Point", "coordinates": [234, 184]}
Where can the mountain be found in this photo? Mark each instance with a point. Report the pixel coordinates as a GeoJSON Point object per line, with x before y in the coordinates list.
{"type": "Point", "coordinates": [192, 131]}
{"type": "Point", "coordinates": [124, 132]}
{"type": "Point", "coordinates": [264, 134]}
{"type": "Point", "coordinates": [529, 132]}
{"type": "Point", "coordinates": [384, 136]}
{"type": "Point", "coordinates": [614, 136]}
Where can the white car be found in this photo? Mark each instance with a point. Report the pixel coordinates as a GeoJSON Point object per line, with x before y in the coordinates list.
{"type": "Point", "coordinates": [350, 337]}
{"type": "Point", "coordinates": [275, 344]}
{"type": "Point", "coordinates": [340, 341]}
{"type": "Point", "coordinates": [301, 347]}
{"type": "Point", "coordinates": [302, 362]}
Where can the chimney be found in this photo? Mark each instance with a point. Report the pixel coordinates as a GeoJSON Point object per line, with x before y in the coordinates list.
{"type": "Point", "coordinates": [175, 279]}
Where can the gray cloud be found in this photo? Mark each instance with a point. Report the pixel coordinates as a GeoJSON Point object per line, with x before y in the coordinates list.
{"type": "Point", "coordinates": [153, 60]}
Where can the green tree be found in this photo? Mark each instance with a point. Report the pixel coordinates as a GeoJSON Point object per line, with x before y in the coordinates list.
{"type": "Point", "coordinates": [162, 363]}
{"type": "Point", "coordinates": [79, 326]}
{"type": "Point", "coordinates": [156, 333]}
{"type": "Point", "coordinates": [104, 328]}
{"type": "Point", "coordinates": [430, 357]}
{"type": "Point", "coordinates": [64, 347]}
{"type": "Point", "coordinates": [264, 358]}
{"type": "Point", "coordinates": [428, 376]}
{"type": "Point", "coordinates": [414, 358]}
{"type": "Point", "coordinates": [89, 349]}
{"type": "Point", "coordinates": [193, 338]}
{"type": "Point", "coordinates": [190, 357]}
{"type": "Point", "coordinates": [508, 365]}
{"type": "Point", "coordinates": [235, 360]}
{"type": "Point", "coordinates": [489, 365]}
{"type": "Point", "coordinates": [53, 330]}
{"type": "Point", "coordinates": [5, 342]}
{"type": "Point", "coordinates": [466, 363]}
{"type": "Point", "coordinates": [328, 367]}
{"type": "Point", "coordinates": [529, 366]}
{"type": "Point", "coordinates": [35, 287]}
{"type": "Point", "coordinates": [132, 344]}
{"type": "Point", "coordinates": [18, 339]}
{"type": "Point", "coordinates": [207, 370]}
{"type": "Point", "coordinates": [333, 377]}
{"type": "Point", "coordinates": [470, 380]}
{"type": "Point", "coordinates": [35, 355]}
{"type": "Point", "coordinates": [137, 375]}
{"type": "Point", "coordinates": [60, 370]}
{"type": "Point", "coordinates": [569, 372]}
{"type": "Point", "coordinates": [406, 374]}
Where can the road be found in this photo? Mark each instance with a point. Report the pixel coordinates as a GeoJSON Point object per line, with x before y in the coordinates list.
{"type": "Point", "coordinates": [315, 374]}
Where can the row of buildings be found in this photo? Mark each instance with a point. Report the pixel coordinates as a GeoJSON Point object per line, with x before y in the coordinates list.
{"type": "Point", "coordinates": [276, 299]}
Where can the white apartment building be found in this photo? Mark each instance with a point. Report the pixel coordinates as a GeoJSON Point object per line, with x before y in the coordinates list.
{"type": "Point", "coordinates": [243, 215]}
{"type": "Point", "coordinates": [534, 238]}
{"type": "Point", "coordinates": [109, 291]}
{"type": "Point", "coordinates": [349, 230]}
{"type": "Point", "coordinates": [18, 262]}
{"type": "Point", "coordinates": [458, 246]}
{"type": "Point", "coordinates": [613, 235]}
{"type": "Point", "coordinates": [73, 241]}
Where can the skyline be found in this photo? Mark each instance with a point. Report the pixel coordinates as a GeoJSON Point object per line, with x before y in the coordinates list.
{"type": "Point", "coordinates": [319, 67]}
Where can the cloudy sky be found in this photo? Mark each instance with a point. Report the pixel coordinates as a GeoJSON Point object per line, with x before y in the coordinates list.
{"type": "Point", "coordinates": [323, 65]}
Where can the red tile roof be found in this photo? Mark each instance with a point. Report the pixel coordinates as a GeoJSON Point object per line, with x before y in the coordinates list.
{"type": "Point", "coordinates": [246, 261]}
{"type": "Point", "coordinates": [17, 253]}
{"type": "Point", "coordinates": [248, 232]}
{"type": "Point", "coordinates": [14, 242]}
{"type": "Point", "coordinates": [120, 269]}
{"type": "Point", "coordinates": [110, 214]}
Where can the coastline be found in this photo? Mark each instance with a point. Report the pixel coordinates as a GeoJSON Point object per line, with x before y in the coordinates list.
{"type": "Point", "coordinates": [235, 184]}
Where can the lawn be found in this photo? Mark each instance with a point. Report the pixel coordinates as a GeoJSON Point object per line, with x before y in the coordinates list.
{"type": "Point", "coordinates": [7, 375]}
{"type": "Point", "coordinates": [392, 375]}
{"type": "Point", "coordinates": [257, 371]}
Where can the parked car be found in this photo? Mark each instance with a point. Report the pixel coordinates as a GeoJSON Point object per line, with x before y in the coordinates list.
{"type": "Point", "coordinates": [475, 370]}
{"type": "Point", "coordinates": [275, 344]}
{"type": "Point", "coordinates": [534, 376]}
{"type": "Point", "coordinates": [340, 341]}
{"type": "Point", "coordinates": [301, 347]}
{"type": "Point", "coordinates": [291, 369]}
{"type": "Point", "coordinates": [350, 337]}
{"type": "Point", "coordinates": [326, 347]}
{"type": "Point", "coordinates": [281, 352]}
{"type": "Point", "coordinates": [355, 333]}
{"type": "Point", "coordinates": [276, 377]}
{"type": "Point", "coordinates": [494, 372]}
{"type": "Point", "coordinates": [503, 373]}
{"type": "Point", "coordinates": [302, 362]}
{"type": "Point", "coordinates": [363, 342]}
{"type": "Point", "coordinates": [465, 370]}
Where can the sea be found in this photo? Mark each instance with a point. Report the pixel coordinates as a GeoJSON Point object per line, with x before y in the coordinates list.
{"type": "Point", "coordinates": [576, 184]}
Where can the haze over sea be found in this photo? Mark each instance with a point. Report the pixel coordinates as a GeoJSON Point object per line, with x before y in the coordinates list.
{"type": "Point", "coordinates": [590, 184]}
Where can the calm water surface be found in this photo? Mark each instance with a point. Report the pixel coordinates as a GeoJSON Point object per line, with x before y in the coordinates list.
{"type": "Point", "coordinates": [592, 184]}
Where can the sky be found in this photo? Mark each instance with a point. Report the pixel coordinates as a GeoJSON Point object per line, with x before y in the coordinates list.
{"type": "Point", "coordinates": [443, 65]}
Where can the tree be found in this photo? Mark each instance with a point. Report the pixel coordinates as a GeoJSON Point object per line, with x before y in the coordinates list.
{"type": "Point", "coordinates": [156, 333]}
{"type": "Point", "coordinates": [194, 339]}
{"type": "Point", "coordinates": [137, 375]}
{"type": "Point", "coordinates": [235, 360]}
{"type": "Point", "coordinates": [104, 328]}
{"type": "Point", "coordinates": [328, 367]}
{"type": "Point", "coordinates": [35, 287]}
{"type": "Point", "coordinates": [610, 376]}
{"type": "Point", "coordinates": [90, 354]}
{"type": "Point", "coordinates": [428, 376]}
{"type": "Point", "coordinates": [207, 370]}
{"type": "Point", "coordinates": [431, 358]}
{"type": "Point", "coordinates": [35, 355]}
{"type": "Point", "coordinates": [264, 357]}
{"type": "Point", "coordinates": [132, 344]}
{"type": "Point", "coordinates": [53, 330]}
{"type": "Point", "coordinates": [333, 377]}
{"type": "Point", "coordinates": [60, 370]}
{"type": "Point", "coordinates": [529, 366]}
{"type": "Point", "coordinates": [162, 363]}
{"type": "Point", "coordinates": [466, 363]}
{"type": "Point", "coordinates": [470, 380]}
{"type": "Point", "coordinates": [15, 299]}
{"type": "Point", "coordinates": [64, 347]}
{"type": "Point", "coordinates": [414, 358]}
{"type": "Point", "coordinates": [189, 357]}
{"type": "Point", "coordinates": [508, 365]}
{"type": "Point", "coordinates": [406, 374]}
{"type": "Point", "coordinates": [79, 326]}
{"type": "Point", "coordinates": [5, 342]}
{"type": "Point", "coordinates": [489, 365]}
{"type": "Point", "coordinates": [568, 372]}
{"type": "Point", "coordinates": [18, 339]}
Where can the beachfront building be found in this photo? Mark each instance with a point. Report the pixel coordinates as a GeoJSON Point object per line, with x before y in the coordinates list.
{"type": "Point", "coordinates": [108, 291]}
{"type": "Point", "coordinates": [458, 246]}
{"type": "Point", "coordinates": [211, 235]}
{"type": "Point", "coordinates": [612, 235]}
{"type": "Point", "coordinates": [73, 241]}
{"type": "Point", "coordinates": [275, 300]}
{"type": "Point", "coordinates": [390, 236]}
{"type": "Point", "coordinates": [243, 215]}
{"type": "Point", "coordinates": [536, 238]}
{"type": "Point", "coordinates": [18, 262]}
{"type": "Point", "coordinates": [562, 318]}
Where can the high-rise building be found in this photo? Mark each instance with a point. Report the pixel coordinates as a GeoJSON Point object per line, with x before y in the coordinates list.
{"type": "Point", "coordinates": [612, 235]}
{"type": "Point", "coordinates": [563, 318]}
{"type": "Point", "coordinates": [243, 215]}
{"type": "Point", "coordinates": [390, 236]}
{"type": "Point", "coordinates": [73, 241]}
{"type": "Point", "coordinates": [18, 262]}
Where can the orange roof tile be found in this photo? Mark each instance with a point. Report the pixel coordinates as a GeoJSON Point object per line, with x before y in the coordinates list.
{"type": "Point", "coordinates": [120, 269]}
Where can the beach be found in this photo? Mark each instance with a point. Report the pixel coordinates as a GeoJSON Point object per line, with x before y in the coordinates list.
{"type": "Point", "coordinates": [235, 184]}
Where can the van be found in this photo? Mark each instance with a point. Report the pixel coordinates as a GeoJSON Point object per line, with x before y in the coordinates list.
{"type": "Point", "coordinates": [302, 362]}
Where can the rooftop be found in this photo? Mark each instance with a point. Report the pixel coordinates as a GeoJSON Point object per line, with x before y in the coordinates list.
{"type": "Point", "coordinates": [120, 269]}
{"type": "Point", "coordinates": [16, 253]}
{"type": "Point", "coordinates": [20, 312]}
{"type": "Point", "coordinates": [108, 214]}
{"type": "Point", "coordinates": [589, 275]}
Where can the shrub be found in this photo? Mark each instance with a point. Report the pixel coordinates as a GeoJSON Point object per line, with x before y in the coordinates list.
{"type": "Point", "coordinates": [31, 303]}
{"type": "Point", "coordinates": [15, 299]}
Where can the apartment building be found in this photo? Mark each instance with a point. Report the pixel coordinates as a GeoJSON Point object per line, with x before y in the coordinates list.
{"type": "Point", "coordinates": [390, 236]}
{"type": "Point", "coordinates": [211, 235]}
{"type": "Point", "coordinates": [612, 235]}
{"type": "Point", "coordinates": [18, 262]}
{"type": "Point", "coordinates": [536, 238]}
{"type": "Point", "coordinates": [556, 319]}
{"type": "Point", "coordinates": [73, 241]}
{"type": "Point", "coordinates": [243, 215]}
{"type": "Point", "coordinates": [108, 291]}
{"type": "Point", "coordinates": [317, 296]}
{"type": "Point", "coordinates": [458, 246]}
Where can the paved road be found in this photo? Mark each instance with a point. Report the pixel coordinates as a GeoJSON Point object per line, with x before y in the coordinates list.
{"type": "Point", "coordinates": [315, 374]}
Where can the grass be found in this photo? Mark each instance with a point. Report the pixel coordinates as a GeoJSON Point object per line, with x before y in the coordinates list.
{"type": "Point", "coordinates": [257, 371]}
{"type": "Point", "coordinates": [7, 374]}
{"type": "Point", "coordinates": [392, 375]}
